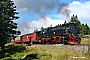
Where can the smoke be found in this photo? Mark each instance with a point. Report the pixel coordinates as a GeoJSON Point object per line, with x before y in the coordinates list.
{"type": "Point", "coordinates": [28, 27]}
{"type": "Point", "coordinates": [39, 7]}
{"type": "Point", "coordinates": [66, 12]}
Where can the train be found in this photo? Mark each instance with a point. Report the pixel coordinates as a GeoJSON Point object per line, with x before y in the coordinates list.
{"type": "Point", "coordinates": [67, 33]}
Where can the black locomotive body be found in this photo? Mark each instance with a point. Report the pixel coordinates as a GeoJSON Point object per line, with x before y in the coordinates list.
{"type": "Point", "coordinates": [68, 28]}
{"type": "Point", "coordinates": [67, 32]}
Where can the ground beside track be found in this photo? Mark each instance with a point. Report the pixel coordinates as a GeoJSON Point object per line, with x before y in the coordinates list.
{"type": "Point", "coordinates": [47, 52]}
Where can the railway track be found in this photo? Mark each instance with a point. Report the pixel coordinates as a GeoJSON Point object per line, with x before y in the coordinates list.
{"type": "Point", "coordinates": [56, 46]}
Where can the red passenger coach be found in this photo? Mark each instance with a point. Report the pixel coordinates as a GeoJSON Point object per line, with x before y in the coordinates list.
{"type": "Point", "coordinates": [27, 38]}
{"type": "Point", "coordinates": [32, 37]}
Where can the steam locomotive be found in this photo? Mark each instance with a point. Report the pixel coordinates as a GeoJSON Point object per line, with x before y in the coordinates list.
{"type": "Point", "coordinates": [67, 33]}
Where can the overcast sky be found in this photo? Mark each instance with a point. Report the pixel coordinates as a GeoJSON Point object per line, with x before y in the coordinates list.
{"type": "Point", "coordinates": [35, 14]}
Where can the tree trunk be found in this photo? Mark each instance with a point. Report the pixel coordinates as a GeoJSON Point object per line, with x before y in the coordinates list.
{"type": "Point", "coordinates": [3, 48]}
{"type": "Point", "coordinates": [89, 49]}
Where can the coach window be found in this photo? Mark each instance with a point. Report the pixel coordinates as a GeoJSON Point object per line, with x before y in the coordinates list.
{"type": "Point", "coordinates": [27, 36]}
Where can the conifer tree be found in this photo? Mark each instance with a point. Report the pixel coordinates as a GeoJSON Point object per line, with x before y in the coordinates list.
{"type": "Point", "coordinates": [84, 29]}
{"type": "Point", "coordinates": [7, 26]}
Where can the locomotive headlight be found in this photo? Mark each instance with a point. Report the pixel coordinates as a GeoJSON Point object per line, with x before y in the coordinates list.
{"type": "Point", "coordinates": [43, 32]}
{"type": "Point", "coordinates": [54, 32]}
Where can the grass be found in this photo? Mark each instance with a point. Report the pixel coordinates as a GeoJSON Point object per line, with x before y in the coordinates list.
{"type": "Point", "coordinates": [12, 49]}
{"type": "Point", "coordinates": [51, 52]}
{"type": "Point", "coordinates": [85, 41]}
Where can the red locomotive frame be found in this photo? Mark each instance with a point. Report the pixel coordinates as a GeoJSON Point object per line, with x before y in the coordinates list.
{"type": "Point", "coordinates": [32, 37]}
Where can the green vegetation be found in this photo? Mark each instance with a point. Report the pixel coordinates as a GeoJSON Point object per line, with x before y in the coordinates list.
{"type": "Point", "coordinates": [35, 30]}
{"type": "Point", "coordinates": [12, 49]}
{"type": "Point", "coordinates": [83, 28]}
{"type": "Point", "coordinates": [45, 52]}
{"type": "Point", "coordinates": [85, 41]}
{"type": "Point", "coordinates": [7, 25]}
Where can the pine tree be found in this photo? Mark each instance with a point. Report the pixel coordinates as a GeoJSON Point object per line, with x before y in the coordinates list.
{"type": "Point", "coordinates": [35, 30]}
{"type": "Point", "coordinates": [87, 29]}
{"type": "Point", "coordinates": [75, 20]}
{"type": "Point", "coordinates": [84, 29]}
{"type": "Point", "coordinates": [7, 25]}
